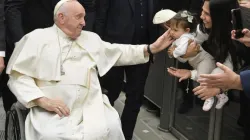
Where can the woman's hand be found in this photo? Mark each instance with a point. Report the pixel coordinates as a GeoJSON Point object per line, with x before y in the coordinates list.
{"type": "Point", "coordinates": [205, 92]}
{"type": "Point", "coordinates": [192, 50]}
{"type": "Point", "coordinates": [180, 73]}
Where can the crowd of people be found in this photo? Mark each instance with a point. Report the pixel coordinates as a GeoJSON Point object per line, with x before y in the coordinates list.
{"type": "Point", "coordinates": [59, 54]}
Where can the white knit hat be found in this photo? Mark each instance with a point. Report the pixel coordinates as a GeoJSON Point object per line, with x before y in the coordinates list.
{"type": "Point", "coordinates": [59, 4]}
{"type": "Point", "coordinates": [163, 16]}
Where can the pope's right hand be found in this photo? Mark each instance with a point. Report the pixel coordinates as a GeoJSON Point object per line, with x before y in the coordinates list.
{"type": "Point", "coordinates": [53, 105]}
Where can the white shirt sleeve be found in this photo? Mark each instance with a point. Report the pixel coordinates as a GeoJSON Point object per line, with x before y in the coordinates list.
{"type": "Point", "coordinates": [200, 36]}
{"type": "Point", "coordinates": [2, 53]}
{"type": "Point", "coordinates": [194, 75]}
{"type": "Point", "coordinates": [181, 47]}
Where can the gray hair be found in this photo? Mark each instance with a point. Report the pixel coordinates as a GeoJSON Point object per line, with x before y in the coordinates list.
{"type": "Point", "coordinates": [62, 10]}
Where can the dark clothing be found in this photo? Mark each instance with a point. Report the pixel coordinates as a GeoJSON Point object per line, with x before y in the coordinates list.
{"type": "Point", "coordinates": [89, 5]}
{"type": "Point", "coordinates": [115, 20]}
{"type": "Point", "coordinates": [2, 27]}
{"type": "Point", "coordinates": [127, 22]}
{"type": "Point", "coordinates": [90, 21]}
{"type": "Point", "coordinates": [141, 33]}
{"type": "Point", "coordinates": [193, 6]}
{"type": "Point", "coordinates": [243, 53]}
{"type": "Point", "coordinates": [245, 80]}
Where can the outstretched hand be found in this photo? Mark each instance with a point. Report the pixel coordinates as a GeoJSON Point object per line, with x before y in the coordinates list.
{"type": "Point", "coordinates": [180, 73]}
{"type": "Point", "coordinates": [226, 80]}
{"type": "Point", "coordinates": [163, 42]}
{"type": "Point", "coordinates": [205, 92]}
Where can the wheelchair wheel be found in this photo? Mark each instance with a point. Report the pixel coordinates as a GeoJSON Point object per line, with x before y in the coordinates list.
{"type": "Point", "coordinates": [12, 128]}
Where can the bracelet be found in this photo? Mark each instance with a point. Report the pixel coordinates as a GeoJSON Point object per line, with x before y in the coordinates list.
{"type": "Point", "coordinates": [151, 56]}
{"type": "Point", "coordinates": [149, 50]}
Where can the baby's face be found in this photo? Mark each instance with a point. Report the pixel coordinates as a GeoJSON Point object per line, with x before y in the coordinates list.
{"type": "Point", "coordinates": [176, 31]}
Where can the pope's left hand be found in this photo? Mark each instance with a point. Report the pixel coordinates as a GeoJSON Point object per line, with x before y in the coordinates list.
{"type": "Point", "coordinates": [204, 92]}
{"type": "Point", "coordinates": [162, 42]}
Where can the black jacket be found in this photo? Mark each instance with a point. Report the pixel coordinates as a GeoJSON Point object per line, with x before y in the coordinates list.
{"type": "Point", "coordinates": [2, 27]}
{"type": "Point", "coordinates": [114, 20]}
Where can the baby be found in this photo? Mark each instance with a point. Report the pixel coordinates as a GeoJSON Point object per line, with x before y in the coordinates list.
{"type": "Point", "coordinates": [183, 29]}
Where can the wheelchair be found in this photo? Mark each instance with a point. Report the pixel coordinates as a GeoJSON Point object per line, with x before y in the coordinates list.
{"type": "Point", "coordinates": [15, 122]}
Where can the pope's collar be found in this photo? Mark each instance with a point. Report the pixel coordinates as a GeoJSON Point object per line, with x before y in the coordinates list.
{"type": "Point", "coordinates": [60, 32]}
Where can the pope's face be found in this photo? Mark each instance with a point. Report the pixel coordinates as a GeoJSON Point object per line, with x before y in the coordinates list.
{"type": "Point", "coordinates": [74, 21]}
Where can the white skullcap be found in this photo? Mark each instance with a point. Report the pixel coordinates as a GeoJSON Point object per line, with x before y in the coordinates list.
{"type": "Point", "coordinates": [59, 4]}
{"type": "Point", "coordinates": [163, 16]}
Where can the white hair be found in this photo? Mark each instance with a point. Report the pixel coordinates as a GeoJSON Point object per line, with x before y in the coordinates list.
{"type": "Point", "coordinates": [62, 10]}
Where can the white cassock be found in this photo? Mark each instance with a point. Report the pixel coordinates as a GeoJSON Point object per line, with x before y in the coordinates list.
{"type": "Point", "coordinates": [34, 70]}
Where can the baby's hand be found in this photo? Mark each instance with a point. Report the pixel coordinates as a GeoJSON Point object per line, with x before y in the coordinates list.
{"type": "Point", "coordinates": [171, 50]}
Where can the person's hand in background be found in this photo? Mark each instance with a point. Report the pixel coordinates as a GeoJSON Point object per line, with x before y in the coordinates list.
{"type": "Point", "coordinates": [244, 3]}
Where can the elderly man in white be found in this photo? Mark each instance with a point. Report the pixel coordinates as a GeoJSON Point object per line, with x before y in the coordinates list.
{"type": "Point", "coordinates": [53, 71]}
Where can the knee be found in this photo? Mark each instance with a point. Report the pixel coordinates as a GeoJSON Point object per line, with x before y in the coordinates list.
{"type": "Point", "coordinates": [114, 126]}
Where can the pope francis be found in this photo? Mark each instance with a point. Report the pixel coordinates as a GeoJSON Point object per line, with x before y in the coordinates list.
{"type": "Point", "coordinates": [53, 71]}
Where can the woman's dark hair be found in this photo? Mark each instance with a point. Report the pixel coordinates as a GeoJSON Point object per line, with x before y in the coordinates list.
{"type": "Point", "coordinates": [219, 42]}
{"type": "Point", "coordinates": [186, 20]}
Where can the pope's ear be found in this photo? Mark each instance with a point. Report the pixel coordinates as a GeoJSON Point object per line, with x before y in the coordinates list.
{"type": "Point", "coordinates": [60, 18]}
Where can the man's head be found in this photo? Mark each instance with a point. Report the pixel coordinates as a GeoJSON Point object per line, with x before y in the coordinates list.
{"type": "Point", "coordinates": [69, 17]}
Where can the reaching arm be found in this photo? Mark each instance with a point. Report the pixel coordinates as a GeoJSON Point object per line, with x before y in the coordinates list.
{"type": "Point", "coordinates": [136, 54]}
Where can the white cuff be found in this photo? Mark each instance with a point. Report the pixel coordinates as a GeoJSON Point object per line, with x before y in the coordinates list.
{"type": "Point", "coordinates": [2, 53]}
{"type": "Point", "coordinates": [194, 75]}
